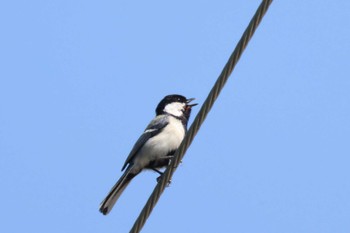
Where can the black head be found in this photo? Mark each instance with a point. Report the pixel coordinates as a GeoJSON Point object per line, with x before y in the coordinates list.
{"type": "Point", "coordinates": [176, 105]}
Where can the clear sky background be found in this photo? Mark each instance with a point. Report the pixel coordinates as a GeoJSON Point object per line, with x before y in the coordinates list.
{"type": "Point", "coordinates": [80, 80]}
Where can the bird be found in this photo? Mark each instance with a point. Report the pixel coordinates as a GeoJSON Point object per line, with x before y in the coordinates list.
{"type": "Point", "coordinates": [156, 146]}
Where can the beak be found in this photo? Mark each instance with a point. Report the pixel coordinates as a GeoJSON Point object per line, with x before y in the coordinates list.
{"type": "Point", "coordinates": [188, 101]}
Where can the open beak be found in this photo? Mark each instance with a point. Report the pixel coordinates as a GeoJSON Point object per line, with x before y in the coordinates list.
{"type": "Point", "coordinates": [188, 101]}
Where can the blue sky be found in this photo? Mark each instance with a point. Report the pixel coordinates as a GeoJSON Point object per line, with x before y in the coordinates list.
{"type": "Point", "coordinates": [80, 80]}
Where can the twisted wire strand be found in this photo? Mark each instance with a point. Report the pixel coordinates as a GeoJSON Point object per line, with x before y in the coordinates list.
{"type": "Point", "coordinates": [214, 93]}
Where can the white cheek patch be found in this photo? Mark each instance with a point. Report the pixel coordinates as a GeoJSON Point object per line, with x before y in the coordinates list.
{"type": "Point", "coordinates": [175, 108]}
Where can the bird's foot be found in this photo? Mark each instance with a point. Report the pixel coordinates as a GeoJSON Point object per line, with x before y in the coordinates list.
{"type": "Point", "coordinates": [159, 178]}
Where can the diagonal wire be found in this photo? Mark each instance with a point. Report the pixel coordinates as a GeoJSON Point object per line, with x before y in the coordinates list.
{"type": "Point", "coordinates": [214, 93]}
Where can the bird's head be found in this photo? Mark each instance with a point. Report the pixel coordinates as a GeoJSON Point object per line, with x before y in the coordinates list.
{"type": "Point", "coordinates": [175, 105]}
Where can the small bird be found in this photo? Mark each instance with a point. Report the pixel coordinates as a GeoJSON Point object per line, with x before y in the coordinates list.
{"type": "Point", "coordinates": [156, 145]}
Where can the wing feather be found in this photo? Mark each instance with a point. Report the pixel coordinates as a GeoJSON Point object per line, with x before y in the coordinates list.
{"type": "Point", "coordinates": [153, 128]}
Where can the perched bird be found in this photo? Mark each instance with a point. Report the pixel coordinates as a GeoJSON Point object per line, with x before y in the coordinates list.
{"type": "Point", "coordinates": [156, 145]}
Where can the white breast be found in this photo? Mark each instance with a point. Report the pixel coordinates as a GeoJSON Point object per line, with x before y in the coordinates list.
{"type": "Point", "coordinates": [160, 145]}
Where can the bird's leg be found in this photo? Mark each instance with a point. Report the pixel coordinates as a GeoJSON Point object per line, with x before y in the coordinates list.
{"type": "Point", "coordinates": [161, 175]}
{"type": "Point", "coordinates": [159, 172]}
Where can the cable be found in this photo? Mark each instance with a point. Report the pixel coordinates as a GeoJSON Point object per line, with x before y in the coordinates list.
{"type": "Point", "coordinates": [214, 93]}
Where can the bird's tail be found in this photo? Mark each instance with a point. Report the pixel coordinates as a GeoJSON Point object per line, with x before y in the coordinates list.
{"type": "Point", "coordinates": [113, 195]}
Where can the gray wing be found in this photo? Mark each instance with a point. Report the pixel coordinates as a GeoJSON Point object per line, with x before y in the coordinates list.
{"type": "Point", "coordinates": [153, 128]}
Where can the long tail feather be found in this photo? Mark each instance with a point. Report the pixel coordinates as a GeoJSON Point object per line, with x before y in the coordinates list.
{"type": "Point", "coordinates": [113, 195]}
